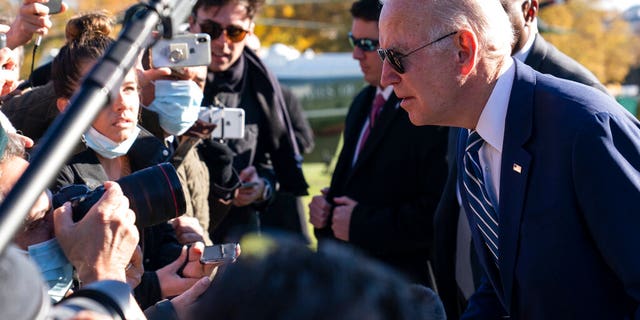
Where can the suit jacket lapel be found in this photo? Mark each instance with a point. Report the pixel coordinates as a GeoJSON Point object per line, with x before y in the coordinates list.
{"type": "Point", "coordinates": [354, 122]}
{"type": "Point", "coordinates": [388, 113]}
{"type": "Point", "coordinates": [514, 172]}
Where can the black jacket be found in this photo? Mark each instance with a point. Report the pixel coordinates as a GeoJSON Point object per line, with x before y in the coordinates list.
{"type": "Point", "coordinates": [397, 181]}
{"type": "Point", "coordinates": [269, 143]}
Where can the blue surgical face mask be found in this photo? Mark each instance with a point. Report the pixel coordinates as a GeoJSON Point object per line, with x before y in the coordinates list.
{"type": "Point", "coordinates": [177, 104]}
{"type": "Point", "coordinates": [106, 147]}
{"type": "Point", "coordinates": [54, 267]}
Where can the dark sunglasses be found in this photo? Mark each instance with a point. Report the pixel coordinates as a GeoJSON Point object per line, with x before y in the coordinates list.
{"type": "Point", "coordinates": [364, 44]}
{"type": "Point", "coordinates": [395, 58]}
{"type": "Point", "coordinates": [214, 30]}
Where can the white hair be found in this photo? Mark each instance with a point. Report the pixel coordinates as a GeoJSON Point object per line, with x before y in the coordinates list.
{"type": "Point", "coordinates": [486, 18]}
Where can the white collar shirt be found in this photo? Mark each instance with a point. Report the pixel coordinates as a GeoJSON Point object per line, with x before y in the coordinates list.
{"type": "Point", "coordinates": [491, 127]}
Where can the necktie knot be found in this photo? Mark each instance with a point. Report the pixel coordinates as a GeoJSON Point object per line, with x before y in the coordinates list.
{"type": "Point", "coordinates": [474, 142]}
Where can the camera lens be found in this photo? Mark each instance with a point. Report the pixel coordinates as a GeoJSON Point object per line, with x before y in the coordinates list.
{"type": "Point", "coordinates": [202, 40]}
{"type": "Point", "coordinates": [176, 56]}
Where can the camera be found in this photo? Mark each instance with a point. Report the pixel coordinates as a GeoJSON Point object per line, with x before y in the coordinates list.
{"type": "Point", "coordinates": [185, 50]}
{"type": "Point", "coordinates": [155, 195]}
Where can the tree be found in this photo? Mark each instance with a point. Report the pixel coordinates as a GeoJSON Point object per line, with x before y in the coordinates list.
{"type": "Point", "coordinates": [602, 41]}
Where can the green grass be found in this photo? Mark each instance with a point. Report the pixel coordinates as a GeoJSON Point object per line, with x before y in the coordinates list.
{"type": "Point", "coordinates": [317, 178]}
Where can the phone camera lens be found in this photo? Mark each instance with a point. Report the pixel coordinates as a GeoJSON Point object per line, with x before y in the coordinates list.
{"type": "Point", "coordinates": [176, 56]}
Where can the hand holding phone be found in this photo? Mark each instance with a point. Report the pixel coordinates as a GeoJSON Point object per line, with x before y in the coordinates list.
{"type": "Point", "coordinates": [220, 253]}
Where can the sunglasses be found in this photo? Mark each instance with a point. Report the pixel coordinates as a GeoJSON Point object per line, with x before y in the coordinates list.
{"type": "Point", "coordinates": [364, 44]}
{"type": "Point", "coordinates": [214, 30]}
{"type": "Point", "coordinates": [395, 58]}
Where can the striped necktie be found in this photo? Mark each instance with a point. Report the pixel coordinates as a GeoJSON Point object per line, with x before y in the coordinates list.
{"type": "Point", "coordinates": [486, 217]}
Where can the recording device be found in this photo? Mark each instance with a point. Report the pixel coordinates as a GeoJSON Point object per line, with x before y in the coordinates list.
{"type": "Point", "coordinates": [229, 121]}
{"type": "Point", "coordinates": [55, 6]}
{"type": "Point", "coordinates": [219, 253]}
{"type": "Point", "coordinates": [155, 195]}
{"type": "Point", "coordinates": [184, 50]}
{"type": "Point", "coordinates": [248, 184]}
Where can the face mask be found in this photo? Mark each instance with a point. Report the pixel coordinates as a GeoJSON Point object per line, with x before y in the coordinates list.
{"type": "Point", "coordinates": [177, 104]}
{"type": "Point", "coordinates": [107, 147]}
{"type": "Point", "coordinates": [54, 267]}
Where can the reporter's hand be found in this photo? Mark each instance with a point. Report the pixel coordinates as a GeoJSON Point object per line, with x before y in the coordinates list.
{"type": "Point", "coordinates": [100, 245]}
{"type": "Point", "coordinates": [188, 229]}
{"type": "Point", "coordinates": [9, 77]}
{"type": "Point", "coordinates": [134, 270]}
{"type": "Point", "coordinates": [146, 78]}
{"type": "Point", "coordinates": [319, 210]}
{"type": "Point", "coordinates": [172, 284]}
{"type": "Point", "coordinates": [33, 17]}
{"type": "Point", "coordinates": [182, 303]}
{"type": "Point", "coordinates": [249, 195]}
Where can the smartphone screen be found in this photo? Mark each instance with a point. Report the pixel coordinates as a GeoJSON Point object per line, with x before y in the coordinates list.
{"type": "Point", "coordinates": [219, 253]}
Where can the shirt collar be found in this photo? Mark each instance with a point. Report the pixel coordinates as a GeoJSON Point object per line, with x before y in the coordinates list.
{"type": "Point", "coordinates": [492, 119]}
{"type": "Point", "coordinates": [386, 92]}
{"type": "Point", "coordinates": [524, 52]}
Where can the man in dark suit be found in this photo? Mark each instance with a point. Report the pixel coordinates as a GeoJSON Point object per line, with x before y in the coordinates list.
{"type": "Point", "coordinates": [389, 174]}
{"type": "Point", "coordinates": [455, 264]}
{"type": "Point", "coordinates": [548, 167]}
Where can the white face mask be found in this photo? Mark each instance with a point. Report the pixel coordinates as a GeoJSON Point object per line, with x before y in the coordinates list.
{"type": "Point", "coordinates": [54, 267]}
{"type": "Point", "coordinates": [177, 104]}
{"type": "Point", "coordinates": [107, 147]}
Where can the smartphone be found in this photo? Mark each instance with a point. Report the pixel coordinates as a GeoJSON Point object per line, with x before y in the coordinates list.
{"type": "Point", "coordinates": [183, 50]}
{"type": "Point", "coordinates": [229, 121]}
{"type": "Point", "coordinates": [248, 184]}
{"type": "Point", "coordinates": [55, 6]}
{"type": "Point", "coordinates": [219, 253]}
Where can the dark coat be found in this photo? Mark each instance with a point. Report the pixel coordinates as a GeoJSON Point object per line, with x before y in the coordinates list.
{"type": "Point", "coordinates": [397, 181]}
{"type": "Point", "coordinates": [568, 216]}
{"type": "Point", "coordinates": [545, 58]}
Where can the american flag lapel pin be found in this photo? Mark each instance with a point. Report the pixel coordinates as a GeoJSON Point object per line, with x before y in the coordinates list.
{"type": "Point", "coordinates": [517, 168]}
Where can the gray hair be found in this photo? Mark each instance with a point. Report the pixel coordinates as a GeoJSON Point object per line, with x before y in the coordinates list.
{"type": "Point", "coordinates": [486, 18]}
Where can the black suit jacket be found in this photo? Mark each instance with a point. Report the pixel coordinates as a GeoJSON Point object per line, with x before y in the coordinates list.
{"type": "Point", "coordinates": [545, 58]}
{"type": "Point", "coordinates": [397, 182]}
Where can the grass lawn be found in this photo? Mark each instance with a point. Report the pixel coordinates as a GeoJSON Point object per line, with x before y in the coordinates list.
{"type": "Point", "coordinates": [317, 178]}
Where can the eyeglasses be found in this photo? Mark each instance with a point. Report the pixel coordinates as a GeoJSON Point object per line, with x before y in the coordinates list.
{"type": "Point", "coordinates": [364, 44]}
{"type": "Point", "coordinates": [214, 30]}
{"type": "Point", "coordinates": [395, 58]}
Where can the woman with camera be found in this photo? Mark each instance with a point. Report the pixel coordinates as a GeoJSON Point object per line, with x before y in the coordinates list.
{"type": "Point", "coordinates": [116, 147]}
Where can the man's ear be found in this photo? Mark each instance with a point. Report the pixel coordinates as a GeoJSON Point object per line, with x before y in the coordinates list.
{"type": "Point", "coordinates": [62, 103]}
{"type": "Point", "coordinates": [467, 50]}
{"type": "Point", "coordinates": [530, 10]}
